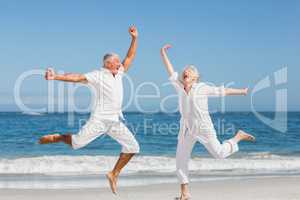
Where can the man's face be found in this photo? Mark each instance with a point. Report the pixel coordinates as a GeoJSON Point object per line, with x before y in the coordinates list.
{"type": "Point", "coordinates": [113, 64]}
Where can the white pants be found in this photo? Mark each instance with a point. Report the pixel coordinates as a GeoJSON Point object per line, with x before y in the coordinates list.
{"type": "Point", "coordinates": [186, 142]}
{"type": "Point", "coordinates": [110, 126]}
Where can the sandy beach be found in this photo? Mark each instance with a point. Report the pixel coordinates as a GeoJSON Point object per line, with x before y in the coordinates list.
{"type": "Point", "coordinates": [266, 188]}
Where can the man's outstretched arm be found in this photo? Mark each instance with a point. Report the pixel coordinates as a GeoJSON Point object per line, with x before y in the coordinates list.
{"type": "Point", "coordinates": [75, 78]}
{"type": "Point", "coordinates": [132, 49]}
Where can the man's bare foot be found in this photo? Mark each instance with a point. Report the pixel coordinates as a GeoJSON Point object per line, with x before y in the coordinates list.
{"type": "Point", "coordinates": [53, 138]}
{"type": "Point", "coordinates": [112, 182]}
{"type": "Point", "coordinates": [243, 136]}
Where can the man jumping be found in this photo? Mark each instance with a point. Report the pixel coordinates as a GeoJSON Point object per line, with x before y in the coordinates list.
{"type": "Point", "coordinates": [105, 116]}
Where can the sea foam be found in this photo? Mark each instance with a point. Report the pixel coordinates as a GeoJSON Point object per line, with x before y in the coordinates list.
{"type": "Point", "coordinates": [84, 165]}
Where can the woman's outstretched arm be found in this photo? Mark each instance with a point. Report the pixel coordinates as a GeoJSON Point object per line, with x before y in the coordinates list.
{"type": "Point", "coordinates": [233, 91]}
{"type": "Point", "coordinates": [166, 60]}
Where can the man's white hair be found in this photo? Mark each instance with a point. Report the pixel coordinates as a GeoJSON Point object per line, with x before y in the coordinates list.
{"type": "Point", "coordinates": [108, 56]}
{"type": "Point", "coordinates": [193, 69]}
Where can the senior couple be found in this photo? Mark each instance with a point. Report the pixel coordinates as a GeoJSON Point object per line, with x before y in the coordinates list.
{"type": "Point", "coordinates": [195, 122]}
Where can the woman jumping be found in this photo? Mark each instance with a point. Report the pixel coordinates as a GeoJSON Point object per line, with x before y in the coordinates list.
{"type": "Point", "coordinates": [195, 122]}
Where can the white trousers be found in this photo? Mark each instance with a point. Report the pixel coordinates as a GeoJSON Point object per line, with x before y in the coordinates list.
{"type": "Point", "coordinates": [111, 126]}
{"type": "Point", "coordinates": [186, 142]}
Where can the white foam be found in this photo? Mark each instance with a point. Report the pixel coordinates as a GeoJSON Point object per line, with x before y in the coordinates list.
{"type": "Point", "coordinates": [31, 113]}
{"type": "Point", "coordinates": [84, 165]}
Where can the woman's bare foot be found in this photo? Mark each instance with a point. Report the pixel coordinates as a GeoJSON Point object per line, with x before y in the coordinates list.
{"type": "Point", "coordinates": [112, 182]}
{"type": "Point", "coordinates": [53, 138]}
{"type": "Point", "coordinates": [184, 197]}
{"type": "Point", "coordinates": [243, 136]}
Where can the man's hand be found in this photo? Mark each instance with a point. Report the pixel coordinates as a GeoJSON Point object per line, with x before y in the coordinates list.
{"type": "Point", "coordinates": [50, 74]}
{"type": "Point", "coordinates": [133, 31]}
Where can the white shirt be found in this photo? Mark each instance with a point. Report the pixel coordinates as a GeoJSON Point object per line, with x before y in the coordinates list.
{"type": "Point", "coordinates": [193, 106]}
{"type": "Point", "coordinates": [108, 91]}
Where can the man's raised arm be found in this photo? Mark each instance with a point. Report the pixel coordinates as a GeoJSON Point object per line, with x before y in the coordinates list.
{"type": "Point", "coordinates": [132, 49]}
{"type": "Point", "coordinates": [75, 78]}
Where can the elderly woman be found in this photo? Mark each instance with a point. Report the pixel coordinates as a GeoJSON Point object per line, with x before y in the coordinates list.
{"type": "Point", "coordinates": [195, 122]}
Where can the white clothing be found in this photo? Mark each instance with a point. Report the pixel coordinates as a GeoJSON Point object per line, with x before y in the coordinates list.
{"type": "Point", "coordinates": [194, 106]}
{"type": "Point", "coordinates": [105, 115]}
{"type": "Point", "coordinates": [108, 90]}
{"type": "Point", "coordinates": [110, 126]}
{"type": "Point", "coordinates": [196, 125]}
{"type": "Point", "coordinates": [211, 143]}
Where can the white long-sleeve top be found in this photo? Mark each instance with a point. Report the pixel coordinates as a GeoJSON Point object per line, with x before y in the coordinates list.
{"type": "Point", "coordinates": [193, 106]}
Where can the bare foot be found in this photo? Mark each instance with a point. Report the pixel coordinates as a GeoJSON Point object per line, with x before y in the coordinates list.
{"type": "Point", "coordinates": [50, 139]}
{"type": "Point", "coordinates": [245, 136]}
{"type": "Point", "coordinates": [184, 197]}
{"type": "Point", "coordinates": [112, 182]}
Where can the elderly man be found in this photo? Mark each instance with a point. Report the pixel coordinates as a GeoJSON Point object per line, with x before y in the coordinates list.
{"type": "Point", "coordinates": [105, 116]}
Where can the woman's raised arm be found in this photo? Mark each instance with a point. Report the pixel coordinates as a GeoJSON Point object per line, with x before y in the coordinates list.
{"type": "Point", "coordinates": [166, 60]}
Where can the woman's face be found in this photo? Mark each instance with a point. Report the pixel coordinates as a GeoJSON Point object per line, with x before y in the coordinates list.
{"type": "Point", "coordinates": [189, 77]}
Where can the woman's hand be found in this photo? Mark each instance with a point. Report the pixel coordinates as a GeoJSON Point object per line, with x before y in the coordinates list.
{"type": "Point", "coordinates": [165, 48]}
{"type": "Point", "coordinates": [245, 91]}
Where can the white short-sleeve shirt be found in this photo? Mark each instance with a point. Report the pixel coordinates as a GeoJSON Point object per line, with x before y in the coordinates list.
{"type": "Point", "coordinates": [193, 106]}
{"type": "Point", "coordinates": [108, 91]}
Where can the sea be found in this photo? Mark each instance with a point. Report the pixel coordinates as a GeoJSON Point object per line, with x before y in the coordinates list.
{"type": "Point", "coordinates": [26, 164]}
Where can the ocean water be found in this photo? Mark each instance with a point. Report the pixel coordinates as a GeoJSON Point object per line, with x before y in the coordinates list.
{"type": "Point", "coordinates": [26, 164]}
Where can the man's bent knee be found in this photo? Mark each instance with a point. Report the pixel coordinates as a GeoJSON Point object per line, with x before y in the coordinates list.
{"type": "Point", "coordinates": [133, 149]}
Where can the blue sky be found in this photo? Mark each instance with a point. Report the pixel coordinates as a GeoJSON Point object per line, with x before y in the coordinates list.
{"type": "Point", "coordinates": [239, 41]}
